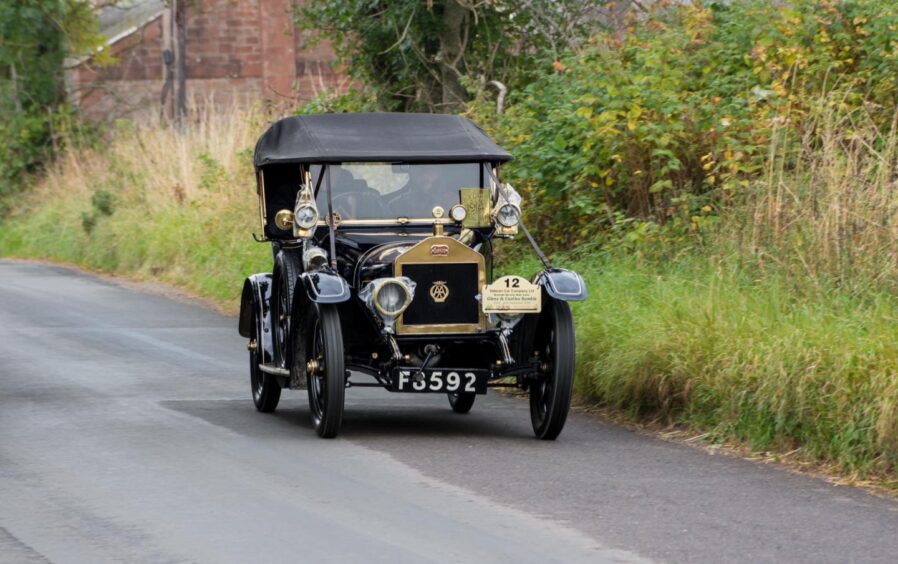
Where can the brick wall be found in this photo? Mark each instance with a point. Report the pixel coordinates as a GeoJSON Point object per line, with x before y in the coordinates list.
{"type": "Point", "coordinates": [314, 71]}
{"type": "Point", "coordinates": [237, 52]}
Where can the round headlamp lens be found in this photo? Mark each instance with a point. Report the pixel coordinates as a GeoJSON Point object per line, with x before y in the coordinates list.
{"type": "Point", "coordinates": [508, 215]}
{"type": "Point", "coordinates": [306, 217]}
{"type": "Point", "coordinates": [458, 213]}
{"type": "Point", "coordinates": [391, 298]}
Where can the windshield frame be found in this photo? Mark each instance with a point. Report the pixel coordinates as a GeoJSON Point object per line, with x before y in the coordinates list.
{"type": "Point", "coordinates": [486, 181]}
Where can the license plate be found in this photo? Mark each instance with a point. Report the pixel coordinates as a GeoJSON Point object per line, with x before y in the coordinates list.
{"type": "Point", "coordinates": [440, 380]}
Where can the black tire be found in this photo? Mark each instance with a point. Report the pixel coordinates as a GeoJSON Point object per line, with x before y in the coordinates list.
{"type": "Point", "coordinates": [550, 395]}
{"type": "Point", "coordinates": [462, 403]}
{"type": "Point", "coordinates": [286, 272]}
{"type": "Point", "coordinates": [327, 386]}
{"type": "Point", "coordinates": [265, 387]}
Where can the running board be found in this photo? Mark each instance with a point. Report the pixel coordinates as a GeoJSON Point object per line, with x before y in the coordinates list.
{"type": "Point", "coordinates": [268, 369]}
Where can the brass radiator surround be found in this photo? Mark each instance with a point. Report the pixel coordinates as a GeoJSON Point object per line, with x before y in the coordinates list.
{"type": "Point", "coordinates": [443, 251]}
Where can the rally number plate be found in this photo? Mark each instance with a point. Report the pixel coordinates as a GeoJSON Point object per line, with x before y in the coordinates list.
{"type": "Point", "coordinates": [440, 380]}
{"type": "Point", "coordinates": [511, 295]}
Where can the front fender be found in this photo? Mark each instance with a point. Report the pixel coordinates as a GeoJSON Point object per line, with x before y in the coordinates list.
{"type": "Point", "coordinates": [561, 284]}
{"type": "Point", "coordinates": [325, 287]}
{"type": "Point", "coordinates": [254, 308]}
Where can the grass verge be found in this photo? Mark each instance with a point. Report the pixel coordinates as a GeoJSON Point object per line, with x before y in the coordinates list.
{"type": "Point", "coordinates": [697, 344]}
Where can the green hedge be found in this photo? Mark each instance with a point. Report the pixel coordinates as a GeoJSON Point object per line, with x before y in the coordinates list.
{"type": "Point", "coordinates": [676, 114]}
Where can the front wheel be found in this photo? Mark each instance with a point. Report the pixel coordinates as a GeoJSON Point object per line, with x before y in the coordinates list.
{"type": "Point", "coordinates": [461, 402]}
{"type": "Point", "coordinates": [550, 394]}
{"type": "Point", "coordinates": [327, 373]}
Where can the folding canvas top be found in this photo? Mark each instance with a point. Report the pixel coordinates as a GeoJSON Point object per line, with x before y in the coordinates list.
{"type": "Point", "coordinates": [376, 137]}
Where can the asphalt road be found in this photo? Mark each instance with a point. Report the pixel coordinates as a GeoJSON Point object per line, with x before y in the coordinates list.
{"type": "Point", "coordinates": [127, 433]}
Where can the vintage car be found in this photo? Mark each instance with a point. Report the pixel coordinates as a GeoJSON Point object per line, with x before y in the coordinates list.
{"type": "Point", "coordinates": [382, 229]}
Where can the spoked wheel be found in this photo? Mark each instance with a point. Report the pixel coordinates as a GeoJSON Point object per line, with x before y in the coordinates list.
{"type": "Point", "coordinates": [327, 376]}
{"type": "Point", "coordinates": [550, 395]}
{"type": "Point", "coordinates": [462, 403]}
{"type": "Point", "coordinates": [265, 387]}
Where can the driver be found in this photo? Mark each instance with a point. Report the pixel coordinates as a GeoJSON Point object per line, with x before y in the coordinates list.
{"type": "Point", "coordinates": [424, 190]}
{"type": "Point", "coordinates": [349, 192]}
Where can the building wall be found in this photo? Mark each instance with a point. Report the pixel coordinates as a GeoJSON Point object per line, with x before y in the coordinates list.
{"type": "Point", "coordinates": [237, 52]}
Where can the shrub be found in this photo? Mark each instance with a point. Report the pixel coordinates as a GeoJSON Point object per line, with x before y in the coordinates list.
{"type": "Point", "coordinates": [676, 114]}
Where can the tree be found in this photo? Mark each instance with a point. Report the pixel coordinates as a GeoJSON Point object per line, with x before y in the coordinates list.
{"type": "Point", "coordinates": [35, 38]}
{"type": "Point", "coordinates": [434, 55]}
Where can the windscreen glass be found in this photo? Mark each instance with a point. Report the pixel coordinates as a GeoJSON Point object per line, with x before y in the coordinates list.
{"type": "Point", "coordinates": [393, 191]}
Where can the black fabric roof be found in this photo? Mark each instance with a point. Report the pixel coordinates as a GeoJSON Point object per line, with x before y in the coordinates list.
{"type": "Point", "coordinates": [387, 137]}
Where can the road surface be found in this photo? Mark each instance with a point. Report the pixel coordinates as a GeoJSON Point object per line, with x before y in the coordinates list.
{"type": "Point", "coordinates": [127, 434]}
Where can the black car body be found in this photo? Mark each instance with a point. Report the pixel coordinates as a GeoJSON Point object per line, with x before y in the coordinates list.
{"type": "Point", "coordinates": [382, 229]}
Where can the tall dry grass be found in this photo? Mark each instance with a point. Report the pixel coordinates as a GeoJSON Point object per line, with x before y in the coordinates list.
{"type": "Point", "coordinates": [827, 207]}
{"type": "Point", "coordinates": [153, 202]}
{"type": "Point", "coordinates": [166, 165]}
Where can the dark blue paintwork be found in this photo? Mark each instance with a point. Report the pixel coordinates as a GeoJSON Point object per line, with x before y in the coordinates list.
{"type": "Point", "coordinates": [325, 287]}
{"type": "Point", "coordinates": [561, 284]}
{"type": "Point", "coordinates": [254, 308]}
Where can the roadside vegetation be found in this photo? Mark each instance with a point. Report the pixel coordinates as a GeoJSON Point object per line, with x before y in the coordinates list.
{"type": "Point", "coordinates": [723, 176]}
{"type": "Point", "coordinates": [152, 203]}
{"type": "Point", "coordinates": [35, 120]}
{"type": "Point", "coordinates": [726, 177]}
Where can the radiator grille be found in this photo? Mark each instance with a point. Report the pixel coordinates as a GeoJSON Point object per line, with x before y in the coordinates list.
{"type": "Point", "coordinates": [460, 304]}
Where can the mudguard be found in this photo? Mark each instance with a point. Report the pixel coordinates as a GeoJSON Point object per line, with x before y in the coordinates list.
{"type": "Point", "coordinates": [325, 287]}
{"type": "Point", "coordinates": [561, 284]}
{"type": "Point", "coordinates": [254, 307]}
